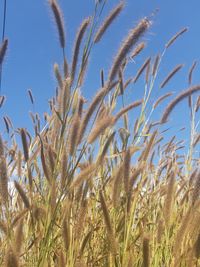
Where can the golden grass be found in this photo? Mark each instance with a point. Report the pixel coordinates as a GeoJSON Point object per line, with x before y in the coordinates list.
{"type": "Point", "coordinates": [88, 191]}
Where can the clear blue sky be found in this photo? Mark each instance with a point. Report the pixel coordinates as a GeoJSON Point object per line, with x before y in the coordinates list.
{"type": "Point", "coordinates": [34, 48]}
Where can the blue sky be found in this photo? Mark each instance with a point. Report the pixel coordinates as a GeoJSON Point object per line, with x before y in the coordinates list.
{"type": "Point", "coordinates": [34, 48]}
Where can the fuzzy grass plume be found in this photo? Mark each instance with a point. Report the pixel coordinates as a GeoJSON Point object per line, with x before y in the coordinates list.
{"type": "Point", "coordinates": [98, 182]}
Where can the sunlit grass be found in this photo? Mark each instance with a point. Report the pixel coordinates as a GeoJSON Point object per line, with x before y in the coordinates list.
{"type": "Point", "coordinates": [90, 192]}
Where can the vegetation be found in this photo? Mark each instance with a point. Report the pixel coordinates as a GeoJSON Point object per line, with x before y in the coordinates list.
{"type": "Point", "coordinates": [88, 191]}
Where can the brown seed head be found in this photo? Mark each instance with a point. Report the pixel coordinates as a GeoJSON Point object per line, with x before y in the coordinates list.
{"type": "Point", "coordinates": [107, 22]}
{"type": "Point", "coordinates": [126, 46]}
{"type": "Point", "coordinates": [58, 75]}
{"type": "Point", "coordinates": [100, 128]}
{"type": "Point", "coordinates": [191, 72]}
{"type": "Point", "coordinates": [127, 108]}
{"type": "Point", "coordinates": [59, 21]}
{"type": "Point", "coordinates": [79, 39]}
{"type": "Point", "coordinates": [143, 67]}
{"type": "Point", "coordinates": [31, 96]}
{"type": "Point", "coordinates": [180, 97]}
{"type": "Point", "coordinates": [24, 144]}
{"type": "Point", "coordinates": [22, 194]}
{"type": "Point", "coordinates": [2, 100]}
{"type": "Point", "coordinates": [138, 49]}
{"type": "Point", "coordinates": [160, 99]}
{"type": "Point", "coordinates": [173, 39]}
{"type": "Point", "coordinates": [171, 74]}
{"type": "Point", "coordinates": [3, 49]}
{"type": "Point", "coordinates": [155, 65]}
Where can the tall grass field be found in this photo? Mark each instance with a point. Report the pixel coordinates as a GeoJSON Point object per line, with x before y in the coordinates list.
{"type": "Point", "coordinates": [96, 183]}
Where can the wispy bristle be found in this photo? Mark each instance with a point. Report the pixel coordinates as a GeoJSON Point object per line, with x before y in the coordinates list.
{"type": "Point", "coordinates": [121, 82]}
{"type": "Point", "coordinates": [65, 68]}
{"type": "Point", "coordinates": [74, 133]}
{"type": "Point", "coordinates": [83, 71]}
{"type": "Point", "coordinates": [105, 212]}
{"type": "Point", "coordinates": [126, 84]}
{"type": "Point", "coordinates": [197, 140]}
{"type": "Point", "coordinates": [147, 72]}
{"type": "Point", "coordinates": [107, 22]}
{"type": "Point", "coordinates": [137, 50]}
{"type": "Point", "coordinates": [197, 104]}
{"type": "Point", "coordinates": [58, 75]}
{"type": "Point", "coordinates": [24, 144]}
{"type": "Point", "coordinates": [106, 146]}
{"type": "Point", "coordinates": [59, 21]}
{"type": "Point", "coordinates": [143, 67]}
{"type": "Point", "coordinates": [90, 111]}
{"type": "Point", "coordinates": [52, 158]}
{"type": "Point", "coordinates": [19, 216]}
{"type": "Point", "coordinates": [6, 124]}
{"type": "Point", "coordinates": [148, 148]}
{"type": "Point", "coordinates": [127, 45]}
{"type": "Point", "coordinates": [65, 96]}
{"type": "Point", "coordinates": [102, 78]}
{"type": "Point", "coordinates": [180, 97]}
{"type": "Point", "coordinates": [80, 106]}
{"type": "Point", "coordinates": [160, 99]}
{"type": "Point", "coordinates": [171, 74]}
{"type": "Point", "coordinates": [155, 65]}
{"type": "Point", "coordinates": [64, 162]}
{"type": "Point", "coordinates": [191, 72]}
{"type": "Point", "coordinates": [44, 165]}
{"type": "Point", "coordinates": [173, 39]}
{"type": "Point", "coordinates": [83, 175]}
{"type": "Point", "coordinates": [100, 128]}
{"type": "Point", "coordinates": [126, 109]}
{"type": "Point", "coordinates": [79, 39]}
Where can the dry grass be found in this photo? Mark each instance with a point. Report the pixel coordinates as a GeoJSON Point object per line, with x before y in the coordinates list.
{"type": "Point", "coordinates": [90, 192]}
